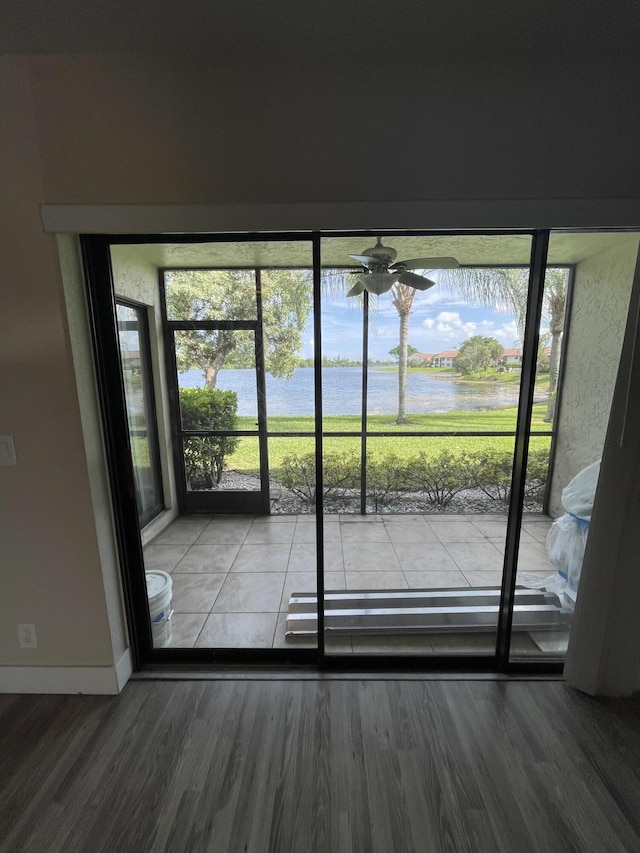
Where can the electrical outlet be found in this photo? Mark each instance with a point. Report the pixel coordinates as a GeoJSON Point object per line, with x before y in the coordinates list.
{"type": "Point", "coordinates": [27, 638]}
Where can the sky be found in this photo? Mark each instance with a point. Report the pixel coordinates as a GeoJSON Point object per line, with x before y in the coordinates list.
{"type": "Point", "coordinates": [440, 321]}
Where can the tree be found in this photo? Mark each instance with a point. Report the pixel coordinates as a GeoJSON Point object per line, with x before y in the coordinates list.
{"type": "Point", "coordinates": [287, 298]}
{"type": "Point", "coordinates": [410, 351]}
{"type": "Point", "coordinates": [478, 353]}
{"type": "Point", "coordinates": [555, 290]}
{"type": "Point", "coordinates": [402, 296]}
{"type": "Point", "coordinates": [506, 290]}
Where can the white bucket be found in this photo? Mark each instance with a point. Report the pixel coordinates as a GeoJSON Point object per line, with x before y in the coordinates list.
{"type": "Point", "coordinates": [159, 586]}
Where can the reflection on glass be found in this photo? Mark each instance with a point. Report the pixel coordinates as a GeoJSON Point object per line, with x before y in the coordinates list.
{"type": "Point", "coordinates": [140, 415]}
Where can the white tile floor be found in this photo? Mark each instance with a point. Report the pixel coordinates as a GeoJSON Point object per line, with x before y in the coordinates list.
{"type": "Point", "coordinates": [233, 575]}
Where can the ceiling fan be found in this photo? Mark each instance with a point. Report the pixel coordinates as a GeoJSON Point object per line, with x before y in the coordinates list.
{"type": "Point", "coordinates": [382, 271]}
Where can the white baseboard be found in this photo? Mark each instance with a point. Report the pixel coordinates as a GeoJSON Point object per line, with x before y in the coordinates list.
{"type": "Point", "coordinates": [97, 680]}
{"type": "Point", "coordinates": [124, 669]}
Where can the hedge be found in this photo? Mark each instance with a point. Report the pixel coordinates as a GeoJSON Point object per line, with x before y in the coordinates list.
{"type": "Point", "coordinates": [208, 409]}
{"type": "Point", "coordinates": [432, 480]}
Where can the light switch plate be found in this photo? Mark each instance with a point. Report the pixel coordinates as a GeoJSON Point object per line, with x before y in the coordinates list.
{"type": "Point", "coordinates": [7, 450]}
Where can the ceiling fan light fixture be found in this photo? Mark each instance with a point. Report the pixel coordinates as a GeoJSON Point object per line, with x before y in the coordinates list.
{"type": "Point", "coordinates": [378, 282]}
{"type": "Point", "coordinates": [384, 271]}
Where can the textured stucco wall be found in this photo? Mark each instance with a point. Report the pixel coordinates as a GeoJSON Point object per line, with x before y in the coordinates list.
{"type": "Point", "coordinates": [597, 323]}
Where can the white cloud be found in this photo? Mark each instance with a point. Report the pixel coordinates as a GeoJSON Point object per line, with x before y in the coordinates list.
{"type": "Point", "coordinates": [452, 317]}
{"type": "Point", "coordinates": [450, 326]}
{"type": "Point", "coordinates": [507, 333]}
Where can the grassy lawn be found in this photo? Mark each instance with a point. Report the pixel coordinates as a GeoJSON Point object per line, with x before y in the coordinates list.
{"type": "Point", "coordinates": [490, 420]}
{"type": "Point", "coordinates": [495, 420]}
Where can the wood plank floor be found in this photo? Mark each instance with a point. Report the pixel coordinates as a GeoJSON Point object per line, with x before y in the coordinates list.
{"type": "Point", "coordinates": [321, 765]}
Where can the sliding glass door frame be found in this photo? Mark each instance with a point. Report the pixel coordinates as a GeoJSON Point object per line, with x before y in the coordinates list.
{"type": "Point", "coordinates": [537, 271]}
{"type": "Point", "coordinates": [102, 318]}
{"type": "Point", "coordinates": [500, 660]}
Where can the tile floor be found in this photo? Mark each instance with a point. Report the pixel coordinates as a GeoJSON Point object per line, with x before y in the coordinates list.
{"type": "Point", "coordinates": [233, 575]}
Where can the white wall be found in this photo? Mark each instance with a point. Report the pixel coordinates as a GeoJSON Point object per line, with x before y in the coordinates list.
{"type": "Point", "coordinates": [133, 130]}
{"type": "Point", "coordinates": [602, 289]}
{"type": "Point", "coordinates": [51, 572]}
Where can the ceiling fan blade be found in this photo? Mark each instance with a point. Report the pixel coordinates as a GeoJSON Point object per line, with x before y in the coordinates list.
{"type": "Point", "coordinates": [365, 260]}
{"type": "Point", "coordinates": [419, 282]}
{"type": "Point", "coordinates": [444, 263]}
{"type": "Point", "coordinates": [357, 288]}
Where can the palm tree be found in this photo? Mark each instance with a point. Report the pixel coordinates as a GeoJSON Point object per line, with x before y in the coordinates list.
{"type": "Point", "coordinates": [506, 290]}
{"type": "Point", "coordinates": [402, 297]}
{"type": "Point", "coordinates": [335, 282]}
{"type": "Point", "coordinates": [555, 297]}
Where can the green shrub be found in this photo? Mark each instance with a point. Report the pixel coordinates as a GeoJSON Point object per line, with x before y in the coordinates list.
{"type": "Point", "coordinates": [436, 477]}
{"type": "Point", "coordinates": [388, 479]}
{"type": "Point", "coordinates": [440, 477]}
{"type": "Point", "coordinates": [537, 472]}
{"type": "Point", "coordinates": [298, 473]}
{"type": "Point", "coordinates": [341, 473]}
{"type": "Point", "coordinates": [491, 471]}
{"type": "Point", "coordinates": [208, 409]}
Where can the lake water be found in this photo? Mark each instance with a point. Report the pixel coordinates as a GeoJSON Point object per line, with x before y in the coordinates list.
{"type": "Point", "coordinates": [342, 392]}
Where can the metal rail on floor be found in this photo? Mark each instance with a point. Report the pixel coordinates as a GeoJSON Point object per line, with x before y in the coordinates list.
{"type": "Point", "coordinates": [402, 611]}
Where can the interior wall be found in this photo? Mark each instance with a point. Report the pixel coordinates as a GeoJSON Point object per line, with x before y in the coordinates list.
{"type": "Point", "coordinates": [133, 130]}
{"type": "Point", "coordinates": [79, 336]}
{"type": "Point", "coordinates": [141, 129]}
{"type": "Point", "coordinates": [50, 560]}
{"type": "Point", "coordinates": [602, 287]}
{"type": "Point", "coordinates": [137, 280]}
